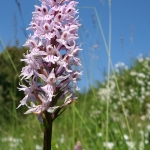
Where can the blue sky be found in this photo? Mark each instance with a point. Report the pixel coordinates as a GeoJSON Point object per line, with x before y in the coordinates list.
{"type": "Point", "coordinates": [130, 31]}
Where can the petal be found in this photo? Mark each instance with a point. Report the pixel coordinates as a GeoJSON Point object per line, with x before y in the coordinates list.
{"type": "Point", "coordinates": [51, 58]}
{"type": "Point", "coordinates": [23, 101]}
{"type": "Point", "coordinates": [51, 78]}
{"type": "Point", "coordinates": [48, 89]}
{"type": "Point", "coordinates": [35, 110]}
{"type": "Point", "coordinates": [52, 109]}
{"type": "Point", "coordinates": [61, 78]}
{"type": "Point", "coordinates": [43, 77]}
{"type": "Point", "coordinates": [27, 72]}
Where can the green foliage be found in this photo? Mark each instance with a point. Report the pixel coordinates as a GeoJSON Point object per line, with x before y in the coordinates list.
{"type": "Point", "coordinates": [128, 94]}
{"type": "Point", "coordinates": [9, 94]}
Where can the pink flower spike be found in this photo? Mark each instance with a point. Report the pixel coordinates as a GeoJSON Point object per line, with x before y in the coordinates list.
{"type": "Point", "coordinates": [49, 72]}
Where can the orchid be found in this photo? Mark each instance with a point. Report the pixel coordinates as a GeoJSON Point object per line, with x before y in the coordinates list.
{"type": "Point", "coordinates": [50, 60]}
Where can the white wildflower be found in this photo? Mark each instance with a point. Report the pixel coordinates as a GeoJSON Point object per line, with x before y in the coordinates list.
{"type": "Point", "coordinates": [109, 145]}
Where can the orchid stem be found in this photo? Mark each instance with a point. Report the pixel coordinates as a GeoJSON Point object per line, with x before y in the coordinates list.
{"type": "Point", "coordinates": [47, 117]}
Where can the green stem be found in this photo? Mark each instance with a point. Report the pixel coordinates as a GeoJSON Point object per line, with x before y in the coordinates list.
{"type": "Point", "coordinates": [108, 81]}
{"type": "Point", "coordinates": [107, 49]}
{"type": "Point", "coordinates": [47, 117]}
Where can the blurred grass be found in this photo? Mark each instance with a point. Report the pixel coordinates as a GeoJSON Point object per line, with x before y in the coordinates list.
{"type": "Point", "coordinates": [86, 119]}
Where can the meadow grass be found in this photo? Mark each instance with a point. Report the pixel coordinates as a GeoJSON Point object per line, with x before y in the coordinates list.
{"type": "Point", "coordinates": [85, 121]}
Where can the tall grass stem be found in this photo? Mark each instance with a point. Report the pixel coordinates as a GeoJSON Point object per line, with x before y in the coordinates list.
{"type": "Point", "coordinates": [108, 79]}
{"type": "Point", "coordinates": [107, 50]}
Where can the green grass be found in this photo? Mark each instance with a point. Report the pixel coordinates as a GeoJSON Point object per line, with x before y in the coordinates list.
{"type": "Point", "coordinates": [86, 119]}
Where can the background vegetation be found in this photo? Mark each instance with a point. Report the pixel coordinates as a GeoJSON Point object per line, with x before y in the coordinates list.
{"type": "Point", "coordinates": [114, 117]}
